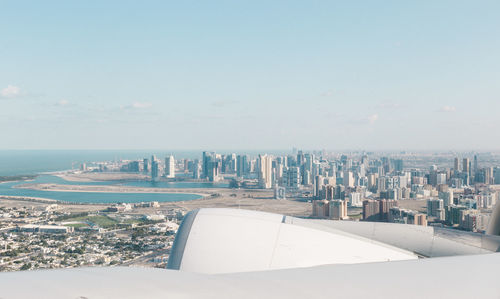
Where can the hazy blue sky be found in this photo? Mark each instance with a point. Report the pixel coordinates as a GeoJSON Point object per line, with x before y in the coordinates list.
{"type": "Point", "coordinates": [250, 74]}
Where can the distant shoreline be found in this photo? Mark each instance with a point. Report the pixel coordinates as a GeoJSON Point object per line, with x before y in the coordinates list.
{"type": "Point", "coordinates": [112, 189]}
{"type": "Point", "coordinates": [32, 199]}
{"type": "Point", "coordinates": [16, 178]}
{"type": "Point", "coordinates": [73, 176]}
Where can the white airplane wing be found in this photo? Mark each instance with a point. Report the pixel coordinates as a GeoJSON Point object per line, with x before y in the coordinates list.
{"type": "Point", "coordinates": [228, 253]}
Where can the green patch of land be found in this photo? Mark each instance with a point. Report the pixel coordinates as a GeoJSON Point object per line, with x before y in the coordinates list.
{"type": "Point", "coordinates": [133, 220]}
{"type": "Point", "coordinates": [100, 220]}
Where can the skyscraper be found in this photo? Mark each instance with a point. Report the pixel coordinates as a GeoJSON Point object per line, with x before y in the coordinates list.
{"type": "Point", "coordinates": [293, 177]}
{"type": "Point", "coordinates": [348, 179]}
{"type": "Point", "coordinates": [154, 168]}
{"type": "Point", "coordinates": [384, 206]}
{"type": "Point", "coordinates": [213, 171]}
{"type": "Point", "coordinates": [265, 171]}
{"type": "Point", "coordinates": [207, 158]}
{"type": "Point", "coordinates": [398, 164]}
{"type": "Point", "coordinates": [371, 210]}
{"type": "Point", "coordinates": [456, 165]}
{"type": "Point", "coordinates": [466, 165]}
{"type": "Point", "coordinates": [196, 169]}
{"type": "Point", "coordinates": [170, 167]}
{"type": "Point", "coordinates": [241, 165]}
{"type": "Point", "coordinates": [318, 185]}
{"type": "Point", "coordinates": [337, 209]}
{"type": "Point", "coordinates": [435, 208]}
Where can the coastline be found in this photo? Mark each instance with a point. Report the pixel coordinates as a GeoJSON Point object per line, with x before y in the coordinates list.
{"type": "Point", "coordinates": [72, 176]}
{"type": "Point", "coordinates": [29, 198]}
{"type": "Point", "coordinates": [113, 189]}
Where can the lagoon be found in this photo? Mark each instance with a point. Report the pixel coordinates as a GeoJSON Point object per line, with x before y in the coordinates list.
{"type": "Point", "coordinates": [103, 197]}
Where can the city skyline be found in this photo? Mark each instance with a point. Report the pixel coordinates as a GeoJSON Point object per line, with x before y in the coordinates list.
{"type": "Point", "coordinates": [401, 76]}
{"type": "Point", "coordinates": [250, 149]}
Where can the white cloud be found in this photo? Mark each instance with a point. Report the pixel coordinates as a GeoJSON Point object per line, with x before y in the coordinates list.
{"type": "Point", "coordinates": [223, 103]}
{"type": "Point", "coordinates": [10, 91]}
{"type": "Point", "coordinates": [389, 105]}
{"type": "Point", "coordinates": [447, 109]}
{"type": "Point", "coordinates": [62, 103]}
{"type": "Point", "coordinates": [141, 105]}
{"type": "Point", "coordinates": [328, 93]}
{"type": "Point", "coordinates": [372, 118]}
{"type": "Point", "coordinates": [137, 105]}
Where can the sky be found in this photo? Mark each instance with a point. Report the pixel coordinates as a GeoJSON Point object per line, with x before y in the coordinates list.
{"type": "Point", "coordinates": [370, 75]}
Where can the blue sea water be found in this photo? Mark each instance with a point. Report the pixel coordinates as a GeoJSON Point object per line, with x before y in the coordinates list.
{"type": "Point", "coordinates": [22, 162]}
{"type": "Point", "coordinates": [89, 197]}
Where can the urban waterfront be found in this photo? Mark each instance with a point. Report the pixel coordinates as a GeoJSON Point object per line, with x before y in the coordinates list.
{"type": "Point", "coordinates": [8, 189]}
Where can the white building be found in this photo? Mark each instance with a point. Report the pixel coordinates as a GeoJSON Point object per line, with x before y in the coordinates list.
{"type": "Point", "coordinates": [265, 171]}
{"type": "Point", "coordinates": [348, 179]}
{"type": "Point", "coordinates": [355, 199]}
{"type": "Point", "coordinates": [48, 229]}
{"type": "Point", "coordinates": [170, 167]}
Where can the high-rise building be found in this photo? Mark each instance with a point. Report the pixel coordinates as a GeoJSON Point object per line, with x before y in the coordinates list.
{"type": "Point", "coordinates": [417, 219]}
{"type": "Point", "coordinates": [355, 199]}
{"type": "Point", "coordinates": [207, 158]}
{"type": "Point", "coordinates": [337, 210]}
{"type": "Point", "coordinates": [384, 206]}
{"type": "Point", "coordinates": [496, 174]}
{"type": "Point", "coordinates": [435, 208]}
{"type": "Point", "coordinates": [321, 208]}
{"type": "Point", "coordinates": [489, 177]}
{"type": "Point", "coordinates": [170, 167]}
{"type": "Point", "coordinates": [242, 167]}
{"type": "Point", "coordinates": [293, 177]}
{"type": "Point", "coordinates": [456, 165]}
{"type": "Point", "coordinates": [447, 197]}
{"type": "Point", "coordinates": [371, 210]}
{"type": "Point", "coordinates": [265, 171]}
{"type": "Point", "coordinates": [306, 179]}
{"type": "Point", "coordinates": [454, 214]}
{"type": "Point", "coordinates": [196, 169]}
{"type": "Point", "coordinates": [318, 185]}
{"type": "Point", "coordinates": [398, 165]}
{"type": "Point", "coordinates": [145, 165]}
{"type": "Point", "coordinates": [348, 179]}
{"type": "Point", "coordinates": [300, 158]}
{"type": "Point", "coordinates": [213, 171]}
{"type": "Point", "coordinates": [466, 165]}
{"type": "Point", "coordinates": [154, 168]}
{"type": "Point", "coordinates": [132, 166]}
{"type": "Point", "coordinates": [440, 178]}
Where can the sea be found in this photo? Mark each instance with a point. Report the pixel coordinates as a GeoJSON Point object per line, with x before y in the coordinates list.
{"type": "Point", "coordinates": [22, 162]}
{"type": "Point", "coordinates": [43, 162]}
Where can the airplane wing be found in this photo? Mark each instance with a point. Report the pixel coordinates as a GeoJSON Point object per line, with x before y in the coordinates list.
{"type": "Point", "coordinates": [229, 253]}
